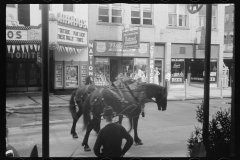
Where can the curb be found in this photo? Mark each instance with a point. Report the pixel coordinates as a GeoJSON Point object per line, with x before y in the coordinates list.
{"type": "Point", "coordinates": [197, 98]}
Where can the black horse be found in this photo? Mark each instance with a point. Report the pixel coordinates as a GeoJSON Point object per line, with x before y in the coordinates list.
{"type": "Point", "coordinates": [80, 95]}
{"type": "Point", "coordinates": [124, 101]}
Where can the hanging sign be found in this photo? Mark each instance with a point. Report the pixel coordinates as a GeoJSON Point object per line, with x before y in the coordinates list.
{"type": "Point", "coordinates": [201, 46]}
{"type": "Point", "coordinates": [194, 8]}
{"type": "Point", "coordinates": [151, 64]}
{"type": "Point", "coordinates": [131, 39]}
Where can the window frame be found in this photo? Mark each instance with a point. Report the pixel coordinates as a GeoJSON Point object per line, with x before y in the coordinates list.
{"type": "Point", "coordinates": [141, 11]}
{"type": "Point", "coordinates": [204, 18]}
{"type": "Point", "coordinates": [177, 18]}
{"type": "Point", "coordinates": [73, 10]}
{"type": "Point", "coordinates": [110, 16]}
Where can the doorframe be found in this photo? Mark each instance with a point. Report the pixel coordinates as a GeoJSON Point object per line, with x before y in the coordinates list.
{"type": "Point", "coordinates": [163, 73]}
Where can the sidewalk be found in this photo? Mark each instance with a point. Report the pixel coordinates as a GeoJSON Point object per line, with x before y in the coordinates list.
{"type": "Point", "coordinates": [25, 101]}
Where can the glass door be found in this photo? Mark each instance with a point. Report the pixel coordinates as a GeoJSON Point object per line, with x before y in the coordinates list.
{"type": "Point", "coordinates": [11, 75]}
{"type": "Point", "coordinates": [21, 77]}
{"type": "Point", "coordinates": [34, 74]}
{"type": "Point", "coordinates": [158, 72]}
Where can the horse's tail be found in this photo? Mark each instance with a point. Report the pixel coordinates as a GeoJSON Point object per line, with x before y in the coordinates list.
{"type": "Point", "coordinates": [86, 111]}
{"type": "Point", "coordinates": [72, 106]}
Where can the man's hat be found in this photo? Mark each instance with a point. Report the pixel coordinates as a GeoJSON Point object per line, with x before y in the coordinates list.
{"type": "Point", "coordinates": [107, 111]}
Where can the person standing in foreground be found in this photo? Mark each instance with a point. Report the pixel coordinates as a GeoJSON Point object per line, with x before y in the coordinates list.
{"type": "Point", "coordinates": [110, 137]}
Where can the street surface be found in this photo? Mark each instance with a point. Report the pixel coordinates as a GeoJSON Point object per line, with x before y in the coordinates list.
{"type": "Point", "coordinates": [164, 134]}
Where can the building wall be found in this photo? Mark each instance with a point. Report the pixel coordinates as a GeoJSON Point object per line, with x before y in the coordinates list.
{"type": "Point", "coordinates": [81, 12]}
{"type": "Point", "coordinates": [159, 32]}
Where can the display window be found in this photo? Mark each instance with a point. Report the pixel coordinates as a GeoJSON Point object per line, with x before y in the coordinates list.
{"type": "Point", "coordinates": [177, 70]}
{"type": "Point", "coordinates": [102, 76]}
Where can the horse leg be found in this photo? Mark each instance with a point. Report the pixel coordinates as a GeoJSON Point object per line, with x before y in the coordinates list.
{"type": "Point", "coordinates": [97, 126]}
{"type": "Point", "coordinates": [120, 119]}
{"type": "Point", "coordinates": [131, 124]}
{"type": "Point", "coordinates": [137, 140]}
{"type": "Point", "coordinates": [75, 119]}
{"type": "Point", "coordinates": [90, 126]}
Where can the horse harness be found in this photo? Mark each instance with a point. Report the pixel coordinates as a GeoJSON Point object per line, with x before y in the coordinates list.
{"type": "Point", "coordinates": [121, 99]}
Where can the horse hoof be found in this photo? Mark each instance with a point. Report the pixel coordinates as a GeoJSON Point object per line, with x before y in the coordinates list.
{"type": "Point", "coordinates": [75, 135]}
{"type": "Point", "coordinates": [139, 143]}
{"type": "Point", "coordinates": [87, 149]}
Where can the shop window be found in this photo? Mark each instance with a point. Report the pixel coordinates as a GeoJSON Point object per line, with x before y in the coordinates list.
{"type": "Point", "coordinates": [68, 7]}
{"type": "Point", "coordinates": [177, 70]}
{"type": "Point", "coordinates": [141, 14]}
{"type": "Point", "coordinates": [177, 15]}
{"type": "Point", "coordinates": [202, 16]}
{"type": "Point", "coordinates": [110, 13]}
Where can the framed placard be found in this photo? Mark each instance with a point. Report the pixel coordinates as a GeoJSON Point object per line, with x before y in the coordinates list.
{"type": "Point", "coordinates": [58, 75]}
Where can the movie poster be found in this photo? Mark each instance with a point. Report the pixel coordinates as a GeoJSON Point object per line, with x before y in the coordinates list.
{"type": "Point", "coordinates": [71, 76]}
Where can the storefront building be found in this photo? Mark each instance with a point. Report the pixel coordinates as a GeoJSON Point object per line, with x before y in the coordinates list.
{"type": "Point", "coordinates": [70, 54]}
{"type": "Point", "coordinates": [23, 47]}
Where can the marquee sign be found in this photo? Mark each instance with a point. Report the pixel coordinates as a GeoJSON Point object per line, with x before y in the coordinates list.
{"type": "Point", "coordinates": [71, 20]}
{"type": "Point", "coordinates": [71, 36]}
{"type": "Point", "coordinates": [13, 34]}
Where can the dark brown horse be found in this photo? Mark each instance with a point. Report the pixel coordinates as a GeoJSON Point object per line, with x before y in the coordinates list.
{"type": "Point", "coordinates": [80, 95]}
{"type": "Point", "coordinates": [123, 101]}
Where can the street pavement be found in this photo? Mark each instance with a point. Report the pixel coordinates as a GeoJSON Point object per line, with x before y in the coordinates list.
{"type": "Point", "coordinates": [65, 146]}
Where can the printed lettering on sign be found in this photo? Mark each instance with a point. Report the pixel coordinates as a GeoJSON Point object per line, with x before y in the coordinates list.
{"type": "Point", "coordinates": [151, 64]}
{"type": "Point", "coordinates": [90, 58]}
{"type": "Point", "coordinates": [101, 46]}
{"type": "Point", "coordinates": [16, 34]}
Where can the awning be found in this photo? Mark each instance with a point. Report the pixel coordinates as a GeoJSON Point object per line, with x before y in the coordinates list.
{"type": "Point", "coordinates": [23, 48]}
{"type": "Point", "coordinates": [69, 49]}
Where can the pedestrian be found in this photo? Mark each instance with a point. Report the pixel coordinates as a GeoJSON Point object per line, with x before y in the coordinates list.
{"type": "Point", "coordinates": [10, 150]}
{"type": "Point", "coordinates": [110, 137]}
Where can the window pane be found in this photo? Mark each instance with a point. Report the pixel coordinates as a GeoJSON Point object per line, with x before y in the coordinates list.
{"type": "Point", "coordinates": [172, 8]}
{"type": "Point", "coordinates": [147, 21]}
{"type": "Point", "coordinates": [135, 20]}
{"type": "Point", "coordinates": [67, 7]}
{"type": "Point", "coordinates": [116, 19]}
{"type": "Point", "coordinates": [103, 19]}
{"type": "Point", "coordinates": [10, 5]}
{"type": "Point", "coordinates": [203, 10]}
{"type": "Point", "coordinates": [147, 15]}
{"type": "Point", "coordinates": [172, 19]}
{"type": "Point", "coordinates": [49, 6]}
{"type": "Point", "coordinates": [182, 20]}
{"type": "Point", "coordinates": [214, 10]}
{"type": "Point", "coordinates": [135, 14]}
{"type": "Point", "coordinates": [116, 12]}
{"type": "Point", "coordinates": [147, 6]}
{"type": "Point", "coordinates": [103, 11]}
{"type": "Point", "coordinates": [182, 9]}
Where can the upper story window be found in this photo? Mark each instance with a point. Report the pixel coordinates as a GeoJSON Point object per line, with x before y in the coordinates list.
{"type": "Point", "coordinates": [11, 5]}
{"type": "Point", "coordinates": [177, 15]}
{"type": "Point", "coordinates": [202, 16]}
{"type": "Point", "coordinates": [141, 14]}
{"type": "Point", "coordinates": [110, 13]}
{"type": "Point", "coordinates": [226, 18]}
{"type": "Point", "coordinates": [68, 7]}
{"type": "Point", "coordinates": [49, 6]}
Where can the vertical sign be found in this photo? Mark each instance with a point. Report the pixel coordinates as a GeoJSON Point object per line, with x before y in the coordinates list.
{"type": "Point", "coordinates": [151, 63]}
{"type": "Point", "coordinates": [90, 58]}
{"type": "Point", "coordinates": [201, 46]}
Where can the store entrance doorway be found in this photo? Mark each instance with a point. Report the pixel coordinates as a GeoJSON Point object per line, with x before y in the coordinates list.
{"type": "Point", "coordinates": [113, 69]}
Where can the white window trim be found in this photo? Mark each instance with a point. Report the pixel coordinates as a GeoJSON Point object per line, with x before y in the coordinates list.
{"type": "Point", "coordinates": [110, 8]}
{"type": "Point", "coordinates": [141, 15]}
{"type": "Point", "coordinates": [177, 17]}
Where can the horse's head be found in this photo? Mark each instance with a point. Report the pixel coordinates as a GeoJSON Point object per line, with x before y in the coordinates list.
{"type": "Point", "coordinates": [89, 80]}
{"type": "Point", "coordinates": [161, 99]}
